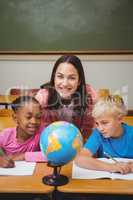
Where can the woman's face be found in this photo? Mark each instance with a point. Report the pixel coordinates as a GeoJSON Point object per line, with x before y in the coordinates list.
{"type": "Point", "coordinates": [66, 80]}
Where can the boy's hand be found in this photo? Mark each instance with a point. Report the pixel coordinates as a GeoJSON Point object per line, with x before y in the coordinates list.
{"type": "Point", "coordinates": [121, 167]}
{"type": "Point", "coordinates": [131, 166]}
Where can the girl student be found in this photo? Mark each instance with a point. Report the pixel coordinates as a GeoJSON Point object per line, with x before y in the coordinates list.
{"type": "Point", "coordinates": [20, 142]}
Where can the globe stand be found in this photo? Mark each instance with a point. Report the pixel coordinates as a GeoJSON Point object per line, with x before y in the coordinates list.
{"type": "Point", "coordinates": [55, 179]}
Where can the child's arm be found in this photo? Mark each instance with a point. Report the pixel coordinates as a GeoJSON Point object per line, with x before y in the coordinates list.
{"type": "Point", "coordinates": [86, 160]}
{"type": "Point", "coordinates": [18, 156]}
{"type": "Point", "coordinates": [36, 156]}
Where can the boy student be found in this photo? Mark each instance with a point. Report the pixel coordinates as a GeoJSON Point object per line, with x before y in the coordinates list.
{"type": "Point", "coordinates": [111, 137]}
{"type": "Point", "coordinates": [18, 143]}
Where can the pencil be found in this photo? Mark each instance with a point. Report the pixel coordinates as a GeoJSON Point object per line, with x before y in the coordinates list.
{"type": "Point", "coordinates": [2, 153]}
{"type": "Point", "coordinates": [109, 156]}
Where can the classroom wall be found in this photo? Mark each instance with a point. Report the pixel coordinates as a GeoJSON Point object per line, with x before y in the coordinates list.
{"type": "Point", "coordinates": [113, 73]}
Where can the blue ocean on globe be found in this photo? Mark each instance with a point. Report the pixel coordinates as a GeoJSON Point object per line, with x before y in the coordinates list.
{"type": "Point", "coordinates": [60, 142]}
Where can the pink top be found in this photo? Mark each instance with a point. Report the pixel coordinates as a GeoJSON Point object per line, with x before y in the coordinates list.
{"type": "Point", "coordinates": [85, 123]}
{"type": "Point", "coordinates": [8, 141]}
{"type": "Point", "coordinates": [42, 95]}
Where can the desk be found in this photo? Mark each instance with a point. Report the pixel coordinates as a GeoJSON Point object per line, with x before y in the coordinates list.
{"type": "Point", "coordinates": [27, 184]}
{"type": "Point", "coordinates": [33, 184]}
{"type": "Point", "coordinates": [6, 100]}
{"type": "Point", "coordinates": [97, 186]}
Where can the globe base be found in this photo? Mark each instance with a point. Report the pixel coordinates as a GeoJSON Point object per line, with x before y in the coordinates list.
{"type": "Point", "coordinates": [53, 180]}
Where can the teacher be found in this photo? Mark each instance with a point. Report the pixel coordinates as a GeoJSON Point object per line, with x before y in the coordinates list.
{"type": "Point", "coordinates": [67, 97]}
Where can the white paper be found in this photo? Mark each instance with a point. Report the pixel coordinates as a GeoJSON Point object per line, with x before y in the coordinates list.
{"type": "Point", "coordinates": [22, 168]}
{"type": "Point", "coordinates": [81, 173]}
{"type": "Point", "coordinates": [122, 176]}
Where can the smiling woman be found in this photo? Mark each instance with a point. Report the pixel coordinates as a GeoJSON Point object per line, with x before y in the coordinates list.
{"type": "Point", "coordinates": [67, 97]}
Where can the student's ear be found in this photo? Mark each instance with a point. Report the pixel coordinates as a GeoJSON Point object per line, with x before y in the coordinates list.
{"type": "Point", "coordinates": [120, 118]}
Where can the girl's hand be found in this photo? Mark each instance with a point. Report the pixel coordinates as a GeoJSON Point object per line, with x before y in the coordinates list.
{"type": "Point", "coordinates": [6, 163]}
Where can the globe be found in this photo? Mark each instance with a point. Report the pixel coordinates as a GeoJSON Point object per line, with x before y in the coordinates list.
{"type": "Point", "coordinates": [60, 142]}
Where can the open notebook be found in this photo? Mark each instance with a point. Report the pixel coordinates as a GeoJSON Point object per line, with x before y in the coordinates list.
{"type": "Point", "coordinates": [81, 173]}
{"type": "Point", "coordinates": [22, 168]}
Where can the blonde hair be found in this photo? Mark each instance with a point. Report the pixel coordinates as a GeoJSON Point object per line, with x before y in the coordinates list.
{"type": "Point", "coordinates": [110, 104]}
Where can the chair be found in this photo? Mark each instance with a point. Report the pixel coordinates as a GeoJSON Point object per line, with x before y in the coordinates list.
{"type": "Point", "coordinates": [6, 119]}
{"type": "Point", "coordinates": [6, 122]}
{"type": "Point", "coordinates": [103, 92]}
{"type": "Point", "coordinates": [128, 120]}
{"type": "Point", "coordinates": [17, 91]}
{"type": "Point", "coordinates": [5, 112]}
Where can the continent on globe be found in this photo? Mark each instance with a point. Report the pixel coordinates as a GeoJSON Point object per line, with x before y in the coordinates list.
{"type": "Point", "coordinates": [54, 144]}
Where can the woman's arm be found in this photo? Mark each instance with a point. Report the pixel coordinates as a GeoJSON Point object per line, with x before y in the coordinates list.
{"type": "Point", "coordinates": [42, 97]}
{"type": "Point", "coordinates": [90, 90]}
